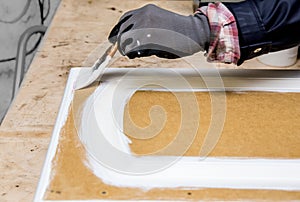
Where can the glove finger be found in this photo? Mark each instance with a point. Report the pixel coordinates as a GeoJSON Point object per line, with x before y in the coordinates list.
{"type": "Point", "coordinates": [154, 49]}
{"type": "Point", "coordinates": [124, 37]}
{"type": "Point", "coordinates": [157, 39]}
{"type": "Point", "coordinates": [113, 36]}
{"type": "Point", "coordinates": [123, 44]}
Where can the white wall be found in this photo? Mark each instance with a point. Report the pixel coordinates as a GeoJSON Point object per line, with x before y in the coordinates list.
{"type": "Point", "coordinates": [12, 24]}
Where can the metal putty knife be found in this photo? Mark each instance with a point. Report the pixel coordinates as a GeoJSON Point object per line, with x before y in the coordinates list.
{"type": "Point", "coordinates": [90, 75]}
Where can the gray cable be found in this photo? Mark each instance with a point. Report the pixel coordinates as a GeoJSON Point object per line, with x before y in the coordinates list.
{"type": "Point", "coordinates": [21, 55]}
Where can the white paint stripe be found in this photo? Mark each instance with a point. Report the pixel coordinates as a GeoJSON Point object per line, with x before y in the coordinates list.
{"type": "Point", "coordinates": [60, 121]}
{"type": "Point", "coordinates": [192, 172]}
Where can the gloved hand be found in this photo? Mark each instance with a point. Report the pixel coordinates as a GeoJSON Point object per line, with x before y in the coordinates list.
{"type": "Point", "coordinates": [151, 30]}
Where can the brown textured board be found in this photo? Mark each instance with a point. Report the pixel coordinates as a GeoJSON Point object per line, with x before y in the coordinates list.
{"type": "Point", "coordinates": [258, 124]}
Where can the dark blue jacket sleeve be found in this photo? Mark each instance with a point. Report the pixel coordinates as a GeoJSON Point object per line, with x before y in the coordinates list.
{"type": "Point", "coordinates": [266, 26]}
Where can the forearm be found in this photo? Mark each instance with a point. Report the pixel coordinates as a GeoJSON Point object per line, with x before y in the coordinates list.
{"type": "Point", "coordinates": [266, 26]}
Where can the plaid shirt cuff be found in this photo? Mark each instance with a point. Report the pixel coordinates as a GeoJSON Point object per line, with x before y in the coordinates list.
{"type": "Point", "coordinates": [224, 41]}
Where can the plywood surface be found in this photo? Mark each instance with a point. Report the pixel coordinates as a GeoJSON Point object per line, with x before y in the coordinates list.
{"type": "Point", "coordinates": [71, 179]}
{"type": "Point", "coordinates": [77, 28]}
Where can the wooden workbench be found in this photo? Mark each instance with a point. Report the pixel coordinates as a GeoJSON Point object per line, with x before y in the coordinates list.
{"type": "Point", "coordinates": [77, 28]}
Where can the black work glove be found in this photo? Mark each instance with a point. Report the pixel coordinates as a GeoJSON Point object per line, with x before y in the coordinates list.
{"type": "Point", "coordinates": [151, 30]}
